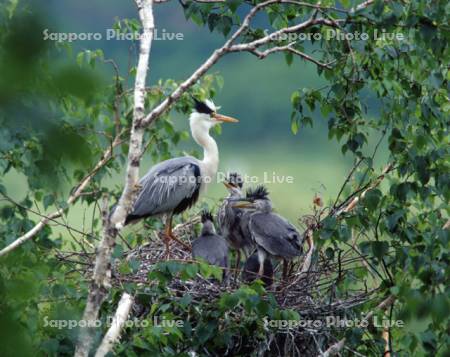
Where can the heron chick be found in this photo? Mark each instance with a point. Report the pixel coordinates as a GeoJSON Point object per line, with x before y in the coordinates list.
{"type": "Point", "coordinates": [209, 245]}
{"type": "Point", "coordinates": [174, 185]}
{"type": "Point", "coordinates": [230, 219]}
{"type": "Point", "coordinates": [273, 235]}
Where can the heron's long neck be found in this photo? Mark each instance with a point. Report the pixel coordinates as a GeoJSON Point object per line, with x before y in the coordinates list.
{"type": "Point", "coordinates": [210, 151]}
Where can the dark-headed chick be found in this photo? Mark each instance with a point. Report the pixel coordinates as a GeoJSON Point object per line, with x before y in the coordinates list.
{"type": "Point", "coordinates": [209, 245]}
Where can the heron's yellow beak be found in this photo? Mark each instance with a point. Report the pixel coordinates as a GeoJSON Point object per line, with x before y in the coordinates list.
{"type": "Point", "coordinates": [243, 205]}
{"type": "Point", "coordinates": [224, 118]}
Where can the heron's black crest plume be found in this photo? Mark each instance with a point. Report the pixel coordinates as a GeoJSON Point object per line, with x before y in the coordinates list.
{"type": "Point", "coordinates": [235, 179]}
{"type": "Point", "coordinates": [206, 216]}
{"type": "Point", "coordinates": [201, 107]}
{"type": "Point", "coordinates": [258, 193]}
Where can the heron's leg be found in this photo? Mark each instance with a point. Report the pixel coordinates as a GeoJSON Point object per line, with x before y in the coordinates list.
{"type": "Point", "coordinates": [169, 234]}
{"type": "Point", "coordinates": [261, 259]}
{"type": "Point", "coordinates": [285, 269]}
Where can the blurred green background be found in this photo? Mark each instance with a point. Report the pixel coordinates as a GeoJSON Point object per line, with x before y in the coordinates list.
{"type": "Point", "coordinates": [255, 91]}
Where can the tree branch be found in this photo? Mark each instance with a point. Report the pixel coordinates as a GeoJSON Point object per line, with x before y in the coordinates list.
{"type": "Point", "coordinates": [288, 48]}
{"type": "Point", "coordinates": [120, 317]}
{"type": "Point", "coordinates": [137, 131]}
{"type": "Point", "coordinates": [352, 204]}
{"type": "Point", "coordinates": [334, 349]}
{"type": "Point", "coordinates": [212, 59]}
{"type": "Point", "coordinates": [77, 192]}
{"type": "Point", "coordinates": [228, 47]}
{"type": "Point", "coordinates": [112, 224]}
{"type": "Point", "coordinates": [138, 125]}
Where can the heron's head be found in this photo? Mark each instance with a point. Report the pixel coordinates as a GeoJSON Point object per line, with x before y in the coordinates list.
{"type": "Point", "coordinates": [204, 115]}
{"type": "Point", "coordinates": [256, 199]}
{"type": "Point", "coordinates": [208, 222]}
{"type": "Point", "coordinates": [234, 184]}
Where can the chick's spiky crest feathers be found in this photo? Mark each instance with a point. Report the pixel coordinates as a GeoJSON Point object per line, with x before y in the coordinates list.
{"type": "Point", "coordinates": [206, 216]}
{"type": "Point", "coordinates": [258, 193]}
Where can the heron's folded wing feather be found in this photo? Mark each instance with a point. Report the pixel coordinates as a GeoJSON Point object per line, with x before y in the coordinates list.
{"type": "Point", "coordinates": [276, 235]}
{"type": "Point", "coordinates": [166, 185]}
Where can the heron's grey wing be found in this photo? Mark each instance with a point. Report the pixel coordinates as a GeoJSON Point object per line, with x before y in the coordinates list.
{"type": "Point", "coordinates": [242, 234]}
{"type": "Point", "coordinates": [170, 186]}
{"type": "Point", "coordinates": [244, 231]}
{"type": "Point", "coordinates": [276, 235]}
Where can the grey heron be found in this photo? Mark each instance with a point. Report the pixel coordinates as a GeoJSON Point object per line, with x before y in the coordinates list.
{"type": "Point", "coordinates": [273, 234]}
{"type": "Point", "coordinates": [251, 270]}
{"type": "Point", "coordinates": [230, 219]}
{"type": "Point", "coordinates": [209, 245]}
{"type": "Point", "coordinates": [174, 185]}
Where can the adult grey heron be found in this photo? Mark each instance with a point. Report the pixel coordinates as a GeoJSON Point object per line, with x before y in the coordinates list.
{"type": "Point", "coordinates": [229, 219]}
{"type": "Point", "coordinates": [209, 245]}
{"type": "Point", "coordinates": [174, 185]}
{"type": "Point", "coordinates": [251, 270]}
{"type": "Point", "coordinates": [273, 234]}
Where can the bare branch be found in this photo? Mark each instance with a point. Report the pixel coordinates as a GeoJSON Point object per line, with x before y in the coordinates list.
{"type": "Point", "coordinates": [314, 6]}
{"type": "Point", "coordinates": [334, 349]}
{"type": "Point", "coordinates": [137, 131]}
{"type": "Point", "coordinates": [386, 303]}
{"type": "Point", "coordinates": [100, 283]}
{"type": "Point", "coordinates": [310, 59]}
{"type": "Point", "coordinates": [274, 35]}
{"type": "Point", "coordinates": [120, 317]}
{"type": "Point", "coordinates": [199, 1]}
{"type": "Point", "coordinates": [264, 54]}
{"type": "Point", "coordinates": [308, 259]}
{"type": "Point", "coordinates": [53, 220]}
{"type": "Point", "coordinates": [228, 47]}
{"type": "Point", "coordinates": [77, 192]}
{"type": "Point", "coordinates": [215, 56]}
{"type": "Point", "coordinates": [352, 204]}
{"type": "Point", "coordinates": [446, 225]}
{"type": "Point", "coordinates": [209, 1]}
{"type": "Point", "coordinates": [288, 48]}
{"type": "Point", "coordinates": [385, 336]}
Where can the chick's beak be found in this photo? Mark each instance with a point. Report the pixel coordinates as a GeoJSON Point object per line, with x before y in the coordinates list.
{"type": "Point", "coordinates": [243, 204]}
{"type": "Point", "coordinates": [224, 118]}
{"type": "Point", "coordinates": [228, 185]}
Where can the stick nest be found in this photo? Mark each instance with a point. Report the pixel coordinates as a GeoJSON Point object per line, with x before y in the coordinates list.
{"type": "Point", "coordinates": [309, 289]}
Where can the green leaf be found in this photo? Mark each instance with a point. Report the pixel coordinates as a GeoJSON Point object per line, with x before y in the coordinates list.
{"type": "Point", "coordinates": [80, 58]}
{"type": "Point", "coordinates": [48, 200]}
{"type": "Point", "coordinates": [372, 199]}
{"type": "Point", "coordinates": [295, 98]}
{"type": "Point", "coordinates": [380, 249]}
{"type": "Point", "coordinates": [423, 172]}
{"type": "Point", "coordinates": [289, 57]}
{"type": "Point", "coordinates": [294, 124]}
{"type": "Point", "coordinates": [11, 7]}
